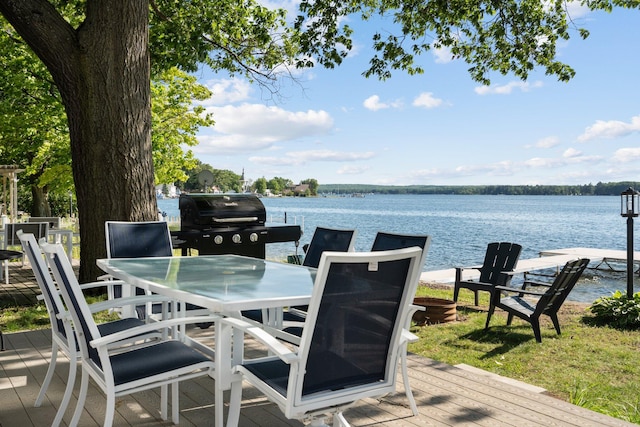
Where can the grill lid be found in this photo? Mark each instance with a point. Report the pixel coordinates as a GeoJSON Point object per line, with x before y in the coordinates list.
{"type": "Point", "coordinates": [205, 210]}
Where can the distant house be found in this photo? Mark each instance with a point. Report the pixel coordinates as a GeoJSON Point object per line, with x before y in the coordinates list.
{"type": "Point", "coordinates": [300, 189]}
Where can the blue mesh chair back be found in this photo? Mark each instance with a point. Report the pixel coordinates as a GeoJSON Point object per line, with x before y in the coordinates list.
{"type": "Point", "coordinates": [389, 241]}
{"type": "Point", "coordinates": [79, 310]}
{"type": "Point", "coordinates": [45, 282]}
{"type": "Point", "coordinates": [138, 239]}
{"type": "Point", "coordinates": [38, 229]}
{"type": "Point", "coordinates": [355, 300]}
{"type": "Point", "coordinates": [356, 295]}
{"type": "Point", "coordinates": [327, 239]}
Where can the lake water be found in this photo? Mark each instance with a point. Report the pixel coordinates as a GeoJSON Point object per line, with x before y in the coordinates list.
{"type": "Point", "coordinates": [461, 226]}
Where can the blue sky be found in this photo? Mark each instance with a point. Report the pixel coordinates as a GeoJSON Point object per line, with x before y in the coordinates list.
{"type": "Point", "coordinates": [441, 128]}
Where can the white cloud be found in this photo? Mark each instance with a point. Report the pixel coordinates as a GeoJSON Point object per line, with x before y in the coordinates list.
{"type": "Point", "coordinates": [576, 9]}
{"type": "Point", "coordinates": [507, 88]}
{"type": "Point", "coordinates": [227, 91]}
{"type": "Point", "coordinates": [373, 103]}
{"type": "Point", "coordinates": [540, 162]}
{"type": "Point", "coordinates": [442, 55]}
{"type": "Point", "coordinates": [610, 129]}
{"type": "Point", "coordinates": [297, 158]}
{"type": "Point", "coordinates": [427, 100]}
{"type": "Point", "coordinates": [571, 153]}
{"type": "Point", "coordinates": [625, 155]}
{"type": "Point", "coordinates": [548, 142]}
{"type": "Point", "coordinates": [252, 127]}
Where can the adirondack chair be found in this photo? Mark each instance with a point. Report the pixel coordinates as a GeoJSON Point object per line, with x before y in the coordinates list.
{"type": "Point", "coordinates": [548, 303]}
{"type": "Point", "coordinates": [497, 268]}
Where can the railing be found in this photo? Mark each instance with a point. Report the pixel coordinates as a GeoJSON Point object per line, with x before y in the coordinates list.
{"type": "Point", "coordinates": [287, 219]}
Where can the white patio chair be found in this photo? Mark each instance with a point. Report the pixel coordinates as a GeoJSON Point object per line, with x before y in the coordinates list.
{"type": "Point", "coordinates": [389, 241]}
{"type": "Point", "coordinates": [10, 239]}
{"type": "Point", "coordinates": [62, 334]}
{"type": "Point", "coordinates": [349, 346]}
{"type": "Point", "coordinates": [136, 239]}
{"type": "Point", "coordinates": [136, 368]}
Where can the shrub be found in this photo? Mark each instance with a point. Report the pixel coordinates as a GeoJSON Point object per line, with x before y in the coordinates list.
{"type": "Point", "coordinates": [618, 310]}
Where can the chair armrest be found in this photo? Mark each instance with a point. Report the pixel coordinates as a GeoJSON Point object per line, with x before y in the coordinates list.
{"type": "Point", "coordinates": [473, 267]}
{"type": "Point", "coordinates": [518, 291]}
{"type": "Point", "coordinates": [411, 310]}
{"type": "Point", "coordinates": [276, 347]}
{"type": "Point", "coordinates": [408, 337]}
{"type": "Point", "coordinates": [98, 284]}
{"type": "Point", "coordinates": [535, 283]}
{"type": "Point", "coordinates": [150, 327]}
{"type": "Point", "coordinates": [118, 302]}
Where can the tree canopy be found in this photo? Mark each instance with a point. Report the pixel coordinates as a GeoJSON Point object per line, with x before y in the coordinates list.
{"type": "Point", "coordinates": [101, 56]}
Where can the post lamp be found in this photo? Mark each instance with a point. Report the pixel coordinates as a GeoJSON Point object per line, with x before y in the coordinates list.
{"type": "Point", "coordinates": [630, 208]}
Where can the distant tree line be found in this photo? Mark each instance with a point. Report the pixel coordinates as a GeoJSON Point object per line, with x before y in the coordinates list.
{"type": "Point", "coordinates": [599, 189]}
{"type": "Point", "coordinates": [228, 181]}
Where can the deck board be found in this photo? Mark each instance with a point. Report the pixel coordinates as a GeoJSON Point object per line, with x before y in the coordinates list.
{"type": "Point", "coordinates": [446, 396]}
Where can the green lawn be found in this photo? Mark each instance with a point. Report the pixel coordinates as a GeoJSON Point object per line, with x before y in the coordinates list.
{"type": "Point", "coordinates": [590, 366]}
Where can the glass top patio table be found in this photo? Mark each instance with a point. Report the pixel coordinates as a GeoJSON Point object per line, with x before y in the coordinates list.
{"type": "Point", "coordinates": [221, 283]}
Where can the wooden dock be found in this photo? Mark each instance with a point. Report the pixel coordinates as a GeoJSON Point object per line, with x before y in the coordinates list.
{"type": "Point", "coordinates": [555, 258]}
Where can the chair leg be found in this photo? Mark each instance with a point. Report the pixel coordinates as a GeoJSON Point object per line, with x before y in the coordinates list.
{"type": "Point", "coordinates": [110, 410]}
{"type": "Point", "coordinates": [340, 421]}
{"type": "Point", "coordinates": [456, 292]}
{"type": "Point", "coordinates": [82, 396]}
{"type": "Point", "coordinates": [489, 314]}
{"type": "Point", "coordinates": [71, 379]}
{"type": "Point", "coordinates": [476, 297]}
{"type": "Point", "coordinates": [164, 397]}
{"type": "Point", "coordinates": [175, 403]}
{"type": "Point", "coordinates": [535, 324]}
{"type": "Point", "coordinates": [556, 323]}
{"type": "Point", "coordinates": [405, 379]}
{"type": "Point", "coordinates": [509, 319]}
{"type": "Point", "coordinates": [235, 400]}
{"type": "Point", "coordinates": [49, 375]}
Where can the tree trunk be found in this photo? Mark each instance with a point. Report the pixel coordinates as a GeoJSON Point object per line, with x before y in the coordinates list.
{"type": "Point", "coordinates": [41, 205]}
{"type": "Point", "coordinates": [103, 73]}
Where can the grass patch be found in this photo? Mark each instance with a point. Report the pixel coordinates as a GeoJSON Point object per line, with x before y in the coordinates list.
{"type": "Point", "coordinates": [17, 319]}
{"type": "Point", "coordinates": [588, 365]}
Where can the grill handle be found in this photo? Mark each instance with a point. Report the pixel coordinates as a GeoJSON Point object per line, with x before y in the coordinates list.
{"type": "Point", "coordinates": [234, 220]}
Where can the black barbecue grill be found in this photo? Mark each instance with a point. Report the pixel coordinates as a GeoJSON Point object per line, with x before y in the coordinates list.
{"type": "Point", "coordinates": [216, 224]}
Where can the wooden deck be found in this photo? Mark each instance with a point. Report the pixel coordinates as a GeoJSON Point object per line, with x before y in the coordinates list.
{"type": "Point", "coordinates": [446, 395]}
